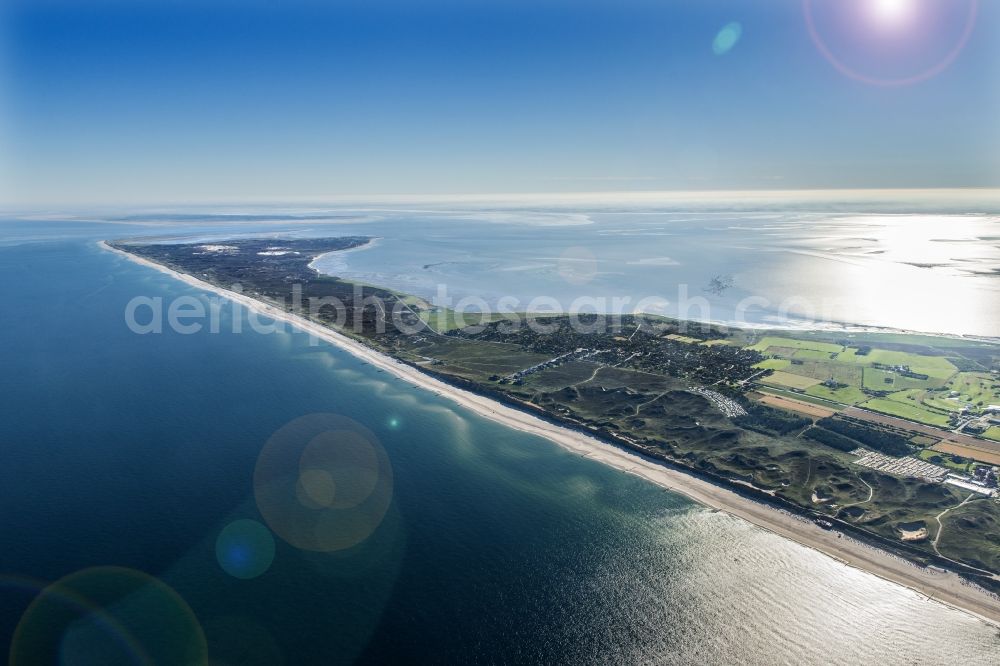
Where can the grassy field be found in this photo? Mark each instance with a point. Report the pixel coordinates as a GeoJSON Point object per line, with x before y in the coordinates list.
{"type": "Point", "coordinates": [798, 406]}
{"type": "Point", "coordinates": [906, 410]}
{"type": "Point", "coordinates": [813, 355]}
{"type": "Point", "coordinates": [976, 388]}
{"type": "Point", "coordinates": [842, 373]}
{"type": "Point", "coordinates": [934, 401]}
{"type": "Point", "coordinates": [945, 460]}
{"type": "Point", "coordinates": [885, 380]}
{"type": "Point", "coordinates": [993, 433]}
{"type": "Point", "coordinates": [932, 366]}
{"type": "Point", "coordinates": [475, 359]}
{"type": "Point", "coordinates": [792, 343]}
{"type": "Point", "coordinates": [779, 378]}
{"type": "Point", "coordinates": [804, 397]}
{"type": "Point", "coordinates": [973, 388]}
{"type": "Point", "coordinates": [849, 395]}
{"type": "Point", "coordinates": [443, 320]}
{"type": "Point", "coordinates": [773, 364]}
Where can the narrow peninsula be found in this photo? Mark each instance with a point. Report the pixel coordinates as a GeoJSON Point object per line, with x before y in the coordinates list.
{"type": "Point", "coordinates": [878, 448]}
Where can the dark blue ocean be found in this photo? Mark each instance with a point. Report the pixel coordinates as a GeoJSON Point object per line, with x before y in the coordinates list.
{"type": "Point", "coordinates": [128, 471]}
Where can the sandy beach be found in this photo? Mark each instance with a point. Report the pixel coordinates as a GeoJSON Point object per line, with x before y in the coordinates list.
{"type": "Point", "coordinates": [936, 585]}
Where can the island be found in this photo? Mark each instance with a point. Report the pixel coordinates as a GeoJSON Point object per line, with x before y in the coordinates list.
{"type": "Point", "coordinates": [880, 448]}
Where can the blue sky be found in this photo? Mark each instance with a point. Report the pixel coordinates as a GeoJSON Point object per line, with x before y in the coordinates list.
{"type": "Point", "coordinates": [158, 102]}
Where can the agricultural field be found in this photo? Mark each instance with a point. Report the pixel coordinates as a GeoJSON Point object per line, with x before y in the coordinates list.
{"type": "Point", "coordinates": [801, 397]}
{"type": "Point", "coordinates": [793, 344]}
{"type": "Point", "coordinates": [848, 395]}
{"type": "Point", "coordinates": [780, 378]}
{"type": "Point", "coordinates": [840, 373]}
{"type": "Point", "coordinates": [987, 453]}
{"type": "Point", "coordinates": [774, 364]}
{"type": "Point", "coordinates": [937, 367]}
{"type": "Point", "coordinates": [444, 320]}
{"type": "Point", "coordinates": [712, 343]}
{"type": "Point", "coordinates": [798, 406]}
{"type": "Point", "coordinates": [906, 410]}
{"type": "Point", "coordinates": [875, 379]}
{"type": "Point", "coordinates": [993, 433]}
{"type": "Point", "coordinates": [813, 355]}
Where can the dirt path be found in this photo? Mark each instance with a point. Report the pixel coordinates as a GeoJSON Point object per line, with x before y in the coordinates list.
{"type": "Point", "coordinates": [941, 531]}
{"type": "Point", "coordinates": [592, 376]}
{"type": "Point", "coordinates": [649, 402]}
{"type": "Point", "coordinates": [871, 494]}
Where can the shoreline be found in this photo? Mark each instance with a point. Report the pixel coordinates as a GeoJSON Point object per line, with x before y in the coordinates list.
{"type": "Point", "coordinates": [940, 586]}
{"type": "Point", "coordinates": [372, 242]}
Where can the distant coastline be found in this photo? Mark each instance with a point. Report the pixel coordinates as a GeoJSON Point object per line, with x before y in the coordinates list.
{"type": "Point", "coordinates": [372, 242]}
{"type": "Point", "coordinates": [936, 584]}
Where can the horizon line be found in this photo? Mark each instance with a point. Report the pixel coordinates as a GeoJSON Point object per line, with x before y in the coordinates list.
{"type": "Point", "coordinates": [589, 196]}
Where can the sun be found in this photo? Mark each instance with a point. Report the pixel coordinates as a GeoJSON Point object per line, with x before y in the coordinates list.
{"type": "Point", "coordinates": [891, 14]}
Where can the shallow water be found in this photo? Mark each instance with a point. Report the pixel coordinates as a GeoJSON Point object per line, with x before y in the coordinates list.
{"type": "Point", "coordinates": [930, 271]}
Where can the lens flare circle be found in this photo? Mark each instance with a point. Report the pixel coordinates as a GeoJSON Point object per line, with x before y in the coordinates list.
{"type": "Point", "coordinates": [323, 483]}
{"type": "Point", "coordinates": [727, 38]}
{"type": "Point", "coordinates": [244, 549]}
{"type": "Point", "coordinates": [108, 615]}
{"type": "Point", "coordinates": [894, 12]}
{"type": "Point", "coordinates": [316, 488]}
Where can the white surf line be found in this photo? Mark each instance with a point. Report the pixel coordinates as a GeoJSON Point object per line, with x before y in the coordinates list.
{"type": "Point", "coordinates": [945, 587]}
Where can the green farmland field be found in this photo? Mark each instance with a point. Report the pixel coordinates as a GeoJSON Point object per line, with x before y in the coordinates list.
{"type": "Point", "coordinates": [849, 395]}
{"type": "Point", "coordinates": [774, 364]}
{"type": "Point", "coordinates": [791, 343]}
{"type": "Point", "coordinates": [905, 409]}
